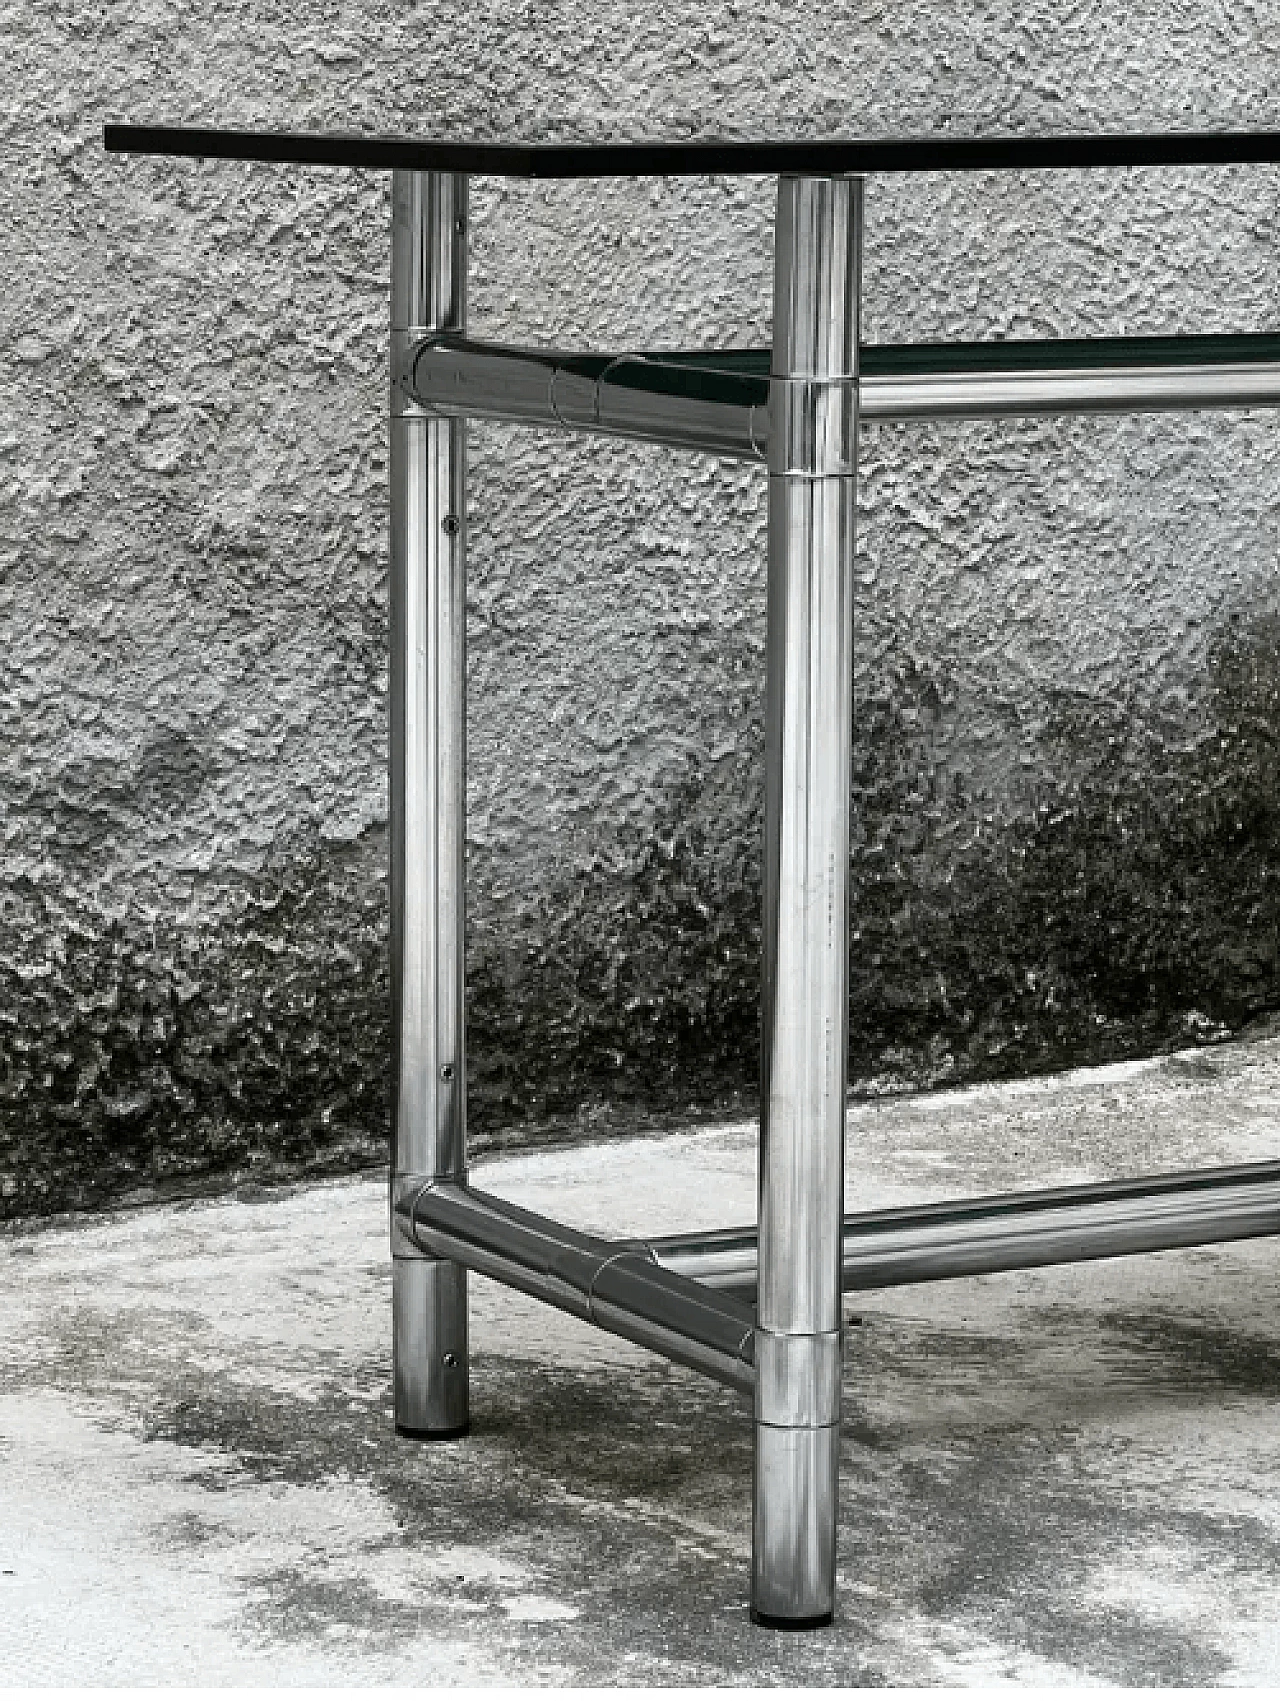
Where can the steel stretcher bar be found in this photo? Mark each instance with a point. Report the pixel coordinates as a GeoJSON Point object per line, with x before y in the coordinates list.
{"type": "Point", "coordinates": [1014, 1231]}
{"type": "Point", "coordinates": [673, 1293]}
{"type": "Point", "coordinates": [618, 1285]}
{"type": "Point", "coordinates": [718, 402]}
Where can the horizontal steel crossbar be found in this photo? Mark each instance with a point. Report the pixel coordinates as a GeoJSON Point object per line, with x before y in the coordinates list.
{"type": "Point", "coordinates": [1016, 1231]}
{"type": "Point", "coordinates": [615, 1284]}
{"type": "Point", "coordinates": [718, 401]}
{"type": "Point", "coordinates": [689, 1296]}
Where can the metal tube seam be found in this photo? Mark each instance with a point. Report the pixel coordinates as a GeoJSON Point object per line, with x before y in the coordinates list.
{"type": "Point", "coordinates": [614, 1258]}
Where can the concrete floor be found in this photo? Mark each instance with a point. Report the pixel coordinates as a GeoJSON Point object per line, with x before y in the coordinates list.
{"type": "Point", "coordinates": [1065, 1476]}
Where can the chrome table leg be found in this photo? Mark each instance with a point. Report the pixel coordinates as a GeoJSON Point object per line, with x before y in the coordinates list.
{"type": "Point", "coordinates": [812, 489]}
{"type": "Point", "coordinates": [428, 797]}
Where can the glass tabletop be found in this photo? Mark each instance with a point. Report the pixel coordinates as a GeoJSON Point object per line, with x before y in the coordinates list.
{"type": "Point", "coordinates": [693, 158]}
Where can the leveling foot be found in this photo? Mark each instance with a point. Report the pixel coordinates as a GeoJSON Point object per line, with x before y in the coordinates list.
{"type": "Point", "coordinates": [433, 1434]}
{"type": "Point", "coordinates": [768, 1622]}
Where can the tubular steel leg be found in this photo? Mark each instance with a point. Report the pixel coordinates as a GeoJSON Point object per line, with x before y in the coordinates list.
{"type": "Point", "coordinates": [428, 773]}
{"type": "Point", "coordinates": [812, 477]}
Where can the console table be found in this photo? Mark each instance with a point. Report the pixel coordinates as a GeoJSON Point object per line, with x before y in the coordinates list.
{"type": "Point", "coordinates": [758, 1308]}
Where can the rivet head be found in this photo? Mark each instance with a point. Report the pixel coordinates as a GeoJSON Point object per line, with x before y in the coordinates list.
{"type": "Point", "coordinates": [452, 525]}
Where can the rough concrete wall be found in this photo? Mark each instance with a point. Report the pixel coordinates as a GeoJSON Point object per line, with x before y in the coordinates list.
{"type": "Point", "coordinates": [1066, 745]}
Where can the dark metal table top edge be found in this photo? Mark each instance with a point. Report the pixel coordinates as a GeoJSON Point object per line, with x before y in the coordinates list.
{"type": "Point", "coordinates": [695, 158]}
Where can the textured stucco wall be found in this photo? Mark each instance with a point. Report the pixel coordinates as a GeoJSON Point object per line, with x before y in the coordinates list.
{"type": "Point", "coordinates": [1068, 686]}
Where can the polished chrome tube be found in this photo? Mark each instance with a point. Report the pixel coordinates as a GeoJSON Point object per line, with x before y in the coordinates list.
{"type": "Point", "coordinates": [719, 403]}
{"type": "Point", "coordinates": [1014, 395]}
{"type": "Point", "coordinates": [808, 734]}
{"type": "Point", "coordinates": [1019, 1231]}
{"type": "Point", "coordinates": [686, 404]}
{"type": "Point", "coordinates": [428, 628]}
{"type": "Point", "coordinates": [614, 1284]}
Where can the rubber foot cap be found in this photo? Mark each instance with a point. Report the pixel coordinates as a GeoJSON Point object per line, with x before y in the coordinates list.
{"type": "Point", "coordinates": [433, 1434]}
{"type": "Point", "coordinates": [768, 1622]}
